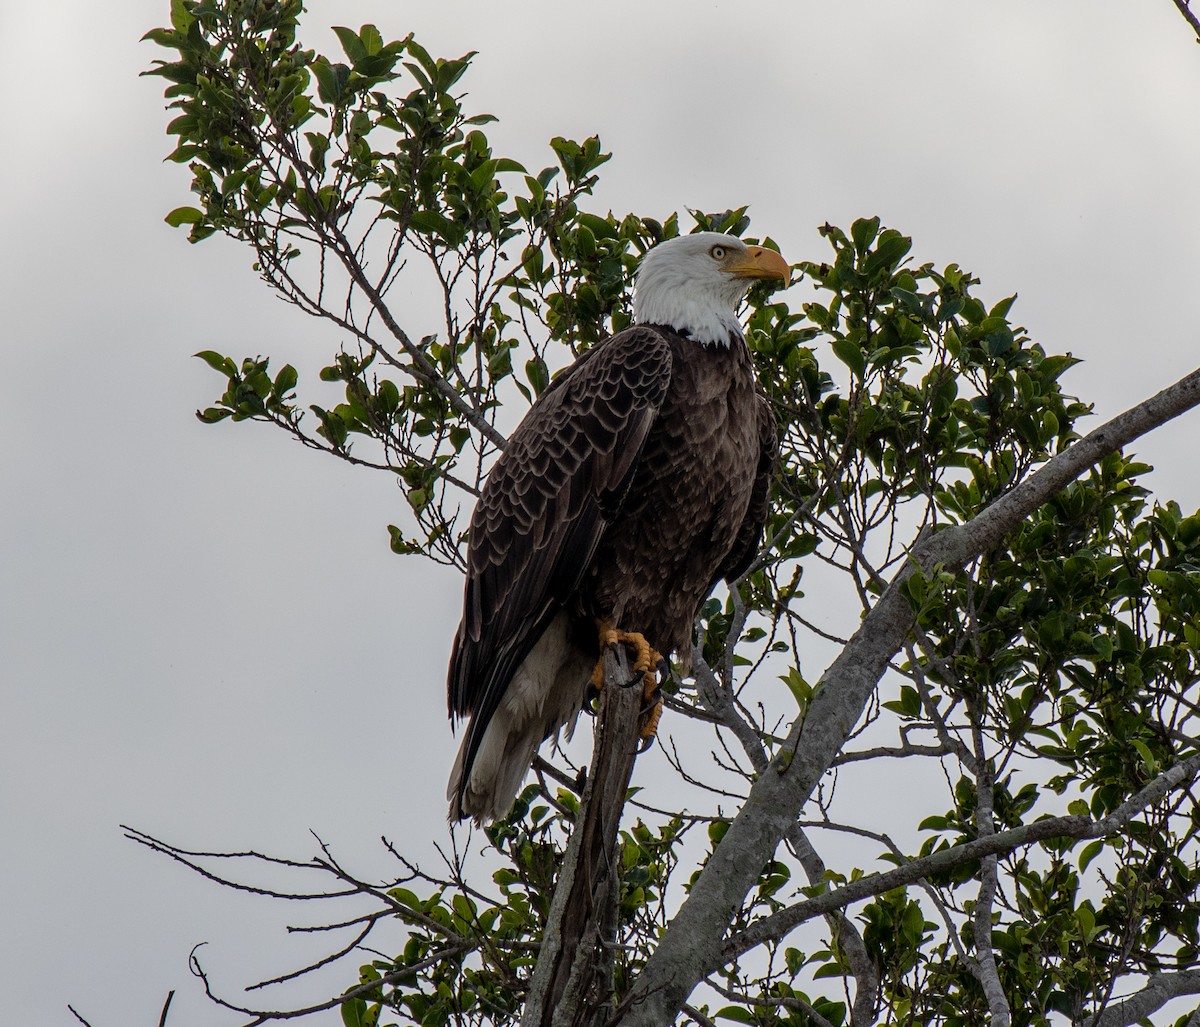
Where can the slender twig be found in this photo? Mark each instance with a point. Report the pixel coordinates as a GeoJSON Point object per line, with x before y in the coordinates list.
{"type": "Point", "coordinates": [1185, 9]}
{"type": "Point", "coordinates": [772, 1002]}
{"type": "Point", "coordinates": [162, 1018]}
{"type": "Point", "coordinates": [265, 1015]}
{"type": "Point", "coordinates": [333, 957]}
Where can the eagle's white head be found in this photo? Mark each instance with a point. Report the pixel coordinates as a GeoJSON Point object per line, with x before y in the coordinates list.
{"type": "Point", "coordinates": [694, 283]}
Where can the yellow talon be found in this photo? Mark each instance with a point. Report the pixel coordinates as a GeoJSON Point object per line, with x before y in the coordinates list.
{"type": "Point", "coordinates": [646, 661]}
{"type": "Point", "coordinates": [649, 730]}
{"type": "Point", "coordinates": [598, 674]}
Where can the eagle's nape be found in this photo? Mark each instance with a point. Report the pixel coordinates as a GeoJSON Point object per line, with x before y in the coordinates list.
{"type": "Point", "coordinates": [647, 664]}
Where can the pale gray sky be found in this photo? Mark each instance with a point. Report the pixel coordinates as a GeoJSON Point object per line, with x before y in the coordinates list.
{"type": "Point", "coordinates": [202, 631]}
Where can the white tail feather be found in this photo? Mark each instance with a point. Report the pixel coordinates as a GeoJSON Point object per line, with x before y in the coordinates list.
{"type": "Point", "coordinates": [544, 696]}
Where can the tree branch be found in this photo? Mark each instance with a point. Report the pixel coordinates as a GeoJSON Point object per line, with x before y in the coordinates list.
{"type": "Point", "coordinates": [564, 990]}
{"type": "Point", "coordinates": [904, 750]}
{"type": "Point", "coordinates": [693, 943]}
{"type": "Point", "coordinates": [845, 934]}
{"type": "Point", "coordinates": [764, 1001]}
{"type": "Point", "coordinates": [1159, 990]}
{"type": "Point", "coordinates": [422, 367]}
{"type": "Point", "coordinates": [1185, 9]}
{"type": "Point", "coordinates": [984, 964]}
{"type": "Point", "coordinates": [1079, 827]}
{"type": "Point", "coordinates": [366, 989]}
{"type": "Point", "coordinates": [718, 700]}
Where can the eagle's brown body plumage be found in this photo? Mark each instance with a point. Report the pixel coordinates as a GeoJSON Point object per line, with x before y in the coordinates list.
{"type": "Point", "coordinates": [636, 481]}
{"type": "Point", "coordinates": [695, 508]}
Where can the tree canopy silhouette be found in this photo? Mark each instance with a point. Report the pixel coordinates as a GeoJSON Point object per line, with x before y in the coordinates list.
{"type": "Point", "coordinates": [1026, 653]}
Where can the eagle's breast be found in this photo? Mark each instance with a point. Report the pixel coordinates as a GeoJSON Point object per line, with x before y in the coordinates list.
{"type": "Point", "coordinates": [664, 550]}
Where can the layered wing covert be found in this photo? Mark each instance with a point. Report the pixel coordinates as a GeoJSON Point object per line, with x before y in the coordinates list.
{"type": "Point", "coordinates": [544, 509]}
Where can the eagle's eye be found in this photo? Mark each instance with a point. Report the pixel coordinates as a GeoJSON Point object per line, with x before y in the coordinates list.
{"type": "Point", "coordinates": [717, 253]}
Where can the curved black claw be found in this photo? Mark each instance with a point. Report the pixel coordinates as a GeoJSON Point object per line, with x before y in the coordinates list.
{"type": "Point", "coordinates": [651, 700]}
{"type": "Point", "coordinates": [651, 713]}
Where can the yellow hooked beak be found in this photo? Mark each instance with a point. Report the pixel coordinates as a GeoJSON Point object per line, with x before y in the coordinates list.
{"type": "Point", "coordinates": [760, 262]}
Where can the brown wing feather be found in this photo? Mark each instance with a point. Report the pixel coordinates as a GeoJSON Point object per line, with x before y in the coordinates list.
{"type": "Point", "coordinates": [544, 510]}
{"type": "Point", "coordinates": [749, 536]}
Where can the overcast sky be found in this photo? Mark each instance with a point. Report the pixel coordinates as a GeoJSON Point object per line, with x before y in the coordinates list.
{"type": "Point", "coordinates": [202, 631]}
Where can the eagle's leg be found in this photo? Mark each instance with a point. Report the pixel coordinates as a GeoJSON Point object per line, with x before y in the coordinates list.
{"type": "Point", "coordinates": [646, 662]}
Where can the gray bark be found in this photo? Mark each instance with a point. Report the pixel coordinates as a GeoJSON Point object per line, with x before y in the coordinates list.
{"type": "Point", "coordinates": [1159, 990]}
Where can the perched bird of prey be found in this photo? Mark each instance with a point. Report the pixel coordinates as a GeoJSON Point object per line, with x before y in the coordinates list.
{"type": "Point", "coordinates": [635, 483]}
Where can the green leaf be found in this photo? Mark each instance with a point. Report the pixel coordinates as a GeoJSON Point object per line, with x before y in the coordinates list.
{"type": "Point", "coordinates": [851, 355]}
{"type": "Point", "coordinates": [389, 395]}
{"type": "Point", "coordinates": [352, 46]}
{"type": "Point", "coordinates": [1087, 922]}
{"type": "Point", "coordinates": [1002, 308]}
{"type": "Point", "coordinates": [181, 15]}
{"type": "Point", "coordinates": [184, 216]}
{"type": "Point", "coordinates": [403, 895]}
{"type": "Point", "coordinates": [218, 363]}
{"type": "Point", "coordinates": [285, 381]}
{"type": "Point", "coordinates": [371, 39]}
{"type": "Point", "coordinates": [331, 80]}
{"type": "Point", "coordinates": [1090, 852]}
{"type": "Point", "coordinates": [538, 374]}
{"type": "Point", "coordinates": [863, 232]}
{"type": "Point", "coordinates": [354, 1012]}
{"type": "Point", "coordinates": [891, 248]}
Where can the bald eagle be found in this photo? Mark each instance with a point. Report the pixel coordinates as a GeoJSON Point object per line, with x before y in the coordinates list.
{"type": "Point", "coordinates": [635, 483]}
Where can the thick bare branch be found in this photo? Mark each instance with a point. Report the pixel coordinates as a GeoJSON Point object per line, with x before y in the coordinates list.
{"type": "Point", "coordinates": [1159, 990]}
{"type": "Point", "coordinates": [562, 992]}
